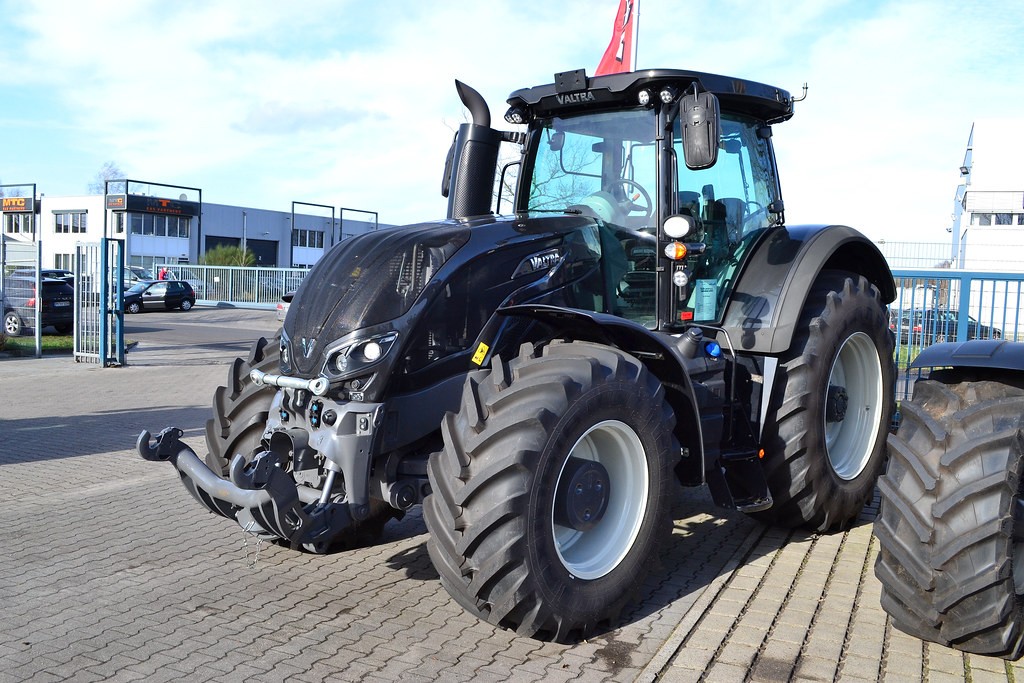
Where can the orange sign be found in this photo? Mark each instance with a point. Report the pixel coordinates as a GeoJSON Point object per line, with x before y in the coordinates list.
{"type": "Point", "coordinates": [17, 204]}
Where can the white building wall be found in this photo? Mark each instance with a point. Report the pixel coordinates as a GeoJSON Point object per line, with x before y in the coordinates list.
{"type": "Point", "coordinates": [218, 221]}
{"type": "Point", "coordinates": [988, 233]}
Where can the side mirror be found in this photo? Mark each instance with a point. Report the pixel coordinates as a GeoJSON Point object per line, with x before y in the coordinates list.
{"type": "Point", "coordinates": [701, 121]}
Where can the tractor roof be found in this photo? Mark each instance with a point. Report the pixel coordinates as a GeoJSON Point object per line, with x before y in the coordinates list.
{"type": "Point", "coordinates": [574, 91]}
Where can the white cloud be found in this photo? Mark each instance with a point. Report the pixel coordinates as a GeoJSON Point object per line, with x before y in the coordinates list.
{"type": "Point", "coordinates": [353, 104]}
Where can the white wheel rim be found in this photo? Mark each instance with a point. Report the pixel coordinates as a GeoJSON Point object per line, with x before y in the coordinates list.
{"type": "Point", "coordinates": [850, 441]}
{"type": "Point", "coordinates": [594, 553]}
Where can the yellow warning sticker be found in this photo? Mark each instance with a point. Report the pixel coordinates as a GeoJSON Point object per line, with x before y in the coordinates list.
{"type": "Point", "coordinates": [481, 353]}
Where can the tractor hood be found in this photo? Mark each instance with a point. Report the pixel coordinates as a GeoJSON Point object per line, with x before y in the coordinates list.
{"type": "Point", "coordinates": [365, 281]}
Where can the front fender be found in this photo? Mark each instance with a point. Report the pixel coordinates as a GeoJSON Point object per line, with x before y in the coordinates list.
{"type": "Point", "coordinates": [765, 306]}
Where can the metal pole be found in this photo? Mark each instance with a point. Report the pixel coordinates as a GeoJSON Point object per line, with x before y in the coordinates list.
{"type": "Point", "coordinates": [636, 35]}
{"type": "Point", "coordinates": [243, 238]}
{"type": "Point", "coordinates": [105, 300]}
{"type": "Point", "coordinates": [119, 309]}
{"type": "Point", "coordinates": [39, 299]}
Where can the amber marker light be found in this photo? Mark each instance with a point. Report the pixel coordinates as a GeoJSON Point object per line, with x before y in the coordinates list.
{"type": "Point", "coordinates": [675, 251]}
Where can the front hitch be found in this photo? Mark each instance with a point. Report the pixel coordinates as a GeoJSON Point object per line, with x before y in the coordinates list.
{"type": "Point", "coordinates": [259, 492]}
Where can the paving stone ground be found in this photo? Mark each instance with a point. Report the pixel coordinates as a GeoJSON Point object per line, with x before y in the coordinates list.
{"type": "Point", "coordinates": [109, 571]}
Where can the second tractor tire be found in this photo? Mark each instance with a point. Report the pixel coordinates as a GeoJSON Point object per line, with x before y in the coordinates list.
{"type": "Point", "coordinates": [951, 524]}
{"type": "Point", "coordinates": [830, 407]}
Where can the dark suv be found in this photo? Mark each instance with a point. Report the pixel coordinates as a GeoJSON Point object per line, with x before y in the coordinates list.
{"type": "Point", "coordinates": [19, 304]}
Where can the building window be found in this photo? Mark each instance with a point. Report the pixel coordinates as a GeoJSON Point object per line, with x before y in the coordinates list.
{"type": "Point", "coordinates": [183, 223]}
{"type": "Point", "coordinates": [119, 221]}
{"type": "Point", "coordinates": [17, 223]}
{"type": "Point", "coordinates": [308, 238]}
{"type": "Point", "coordinates": [160, 226]}
{"type": "Point", "coordinates": [62, 261]}
{"type": "Point", "coordinates": [1003, 219]}
{"type": "Point", "coordinates": [70, 222]}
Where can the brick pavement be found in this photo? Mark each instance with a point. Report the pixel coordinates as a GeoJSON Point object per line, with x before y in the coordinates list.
{"type": "Point", "coordinates": [110, 571]}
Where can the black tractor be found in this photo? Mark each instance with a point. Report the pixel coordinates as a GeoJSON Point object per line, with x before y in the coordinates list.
{"type": "Point", "coordinates": [542, 381]}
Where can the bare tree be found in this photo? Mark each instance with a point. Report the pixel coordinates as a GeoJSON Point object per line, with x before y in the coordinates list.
{"type": "Point", "coordinates": [109, 171]}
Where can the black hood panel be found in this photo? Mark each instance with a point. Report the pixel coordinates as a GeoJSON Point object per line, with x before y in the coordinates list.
{"type": "Point", "coordinates": [364, 281]}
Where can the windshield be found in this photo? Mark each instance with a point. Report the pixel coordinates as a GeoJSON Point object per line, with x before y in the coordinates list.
{"type": "Point", "coordinates": [603, 165]}
{"type": "Point", "coordinates": [586, 164]}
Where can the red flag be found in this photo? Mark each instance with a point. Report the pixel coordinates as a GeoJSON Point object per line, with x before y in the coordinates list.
{"type": "Point", "coordinates": [618, 56]}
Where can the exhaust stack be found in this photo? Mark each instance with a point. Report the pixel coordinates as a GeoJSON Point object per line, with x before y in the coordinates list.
{"type": "Point", "coordinates": [472, 160]}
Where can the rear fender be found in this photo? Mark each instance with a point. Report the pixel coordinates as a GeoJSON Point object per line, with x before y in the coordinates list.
{"type": "Point", "coordinates": [765, 306]}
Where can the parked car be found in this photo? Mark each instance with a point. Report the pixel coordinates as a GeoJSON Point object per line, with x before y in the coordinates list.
{"type": "Point", "coordinates": [19, 304]}
{"type": "Point", "coordinates": [133, 275]}
{"type": "Point", "coordinates": [159, 295]}
{"type": "Point", "coordinates": [52, 273]}
{"type": "Point", "coordinates": [934, 326]}
{"type": "Point", "coordinates": [283, 305]}
{"type": "Point", "coordinates": [942, 325]}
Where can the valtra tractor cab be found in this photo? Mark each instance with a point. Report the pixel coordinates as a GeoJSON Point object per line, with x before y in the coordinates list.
{"type": "Point", "coordinates": [541, 381]}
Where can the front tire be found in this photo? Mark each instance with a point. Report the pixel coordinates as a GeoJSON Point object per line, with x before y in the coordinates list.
{"type": "Point", "coordinates": [133, 307]}
{"type": "Point", "coordinates": [241, 407]}
{"type": "Point", "coordinates": [550, 500]}
{"type": "Point", "coordinates": [951, 524]}
{"type": "Point", "coordinates": [830, 408]}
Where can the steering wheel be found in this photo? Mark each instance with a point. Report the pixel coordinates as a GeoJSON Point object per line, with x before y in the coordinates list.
{"type": "Point", "coordinates": [647, 208]}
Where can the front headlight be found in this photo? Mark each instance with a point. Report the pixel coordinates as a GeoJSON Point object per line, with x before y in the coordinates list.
{"type": "Point", "coordinates": [361, 354]}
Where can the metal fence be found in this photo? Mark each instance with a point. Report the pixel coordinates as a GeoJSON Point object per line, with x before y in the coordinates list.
{"type": "Point", "coordinates": [99, 318]}
{"type": "Point", "coordinates": [19, 277]}
{"type": "Point", "coordinates": [940, 305]}
{"type": "Point", "coordinates": [235, 285]}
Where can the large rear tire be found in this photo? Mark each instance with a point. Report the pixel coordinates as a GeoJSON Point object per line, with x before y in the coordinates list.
{"type": "Point", "coordinates": [951, 527]}
{"type": "Point", "coordinates": [551, 497]}
{"type": "Point", "coordinates": [830, 407]}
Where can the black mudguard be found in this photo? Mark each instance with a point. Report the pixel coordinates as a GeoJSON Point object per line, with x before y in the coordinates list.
{"type": "Point", "coordinates": [763, 311]}
{"type": "Point", "coordinates": [989, 354]}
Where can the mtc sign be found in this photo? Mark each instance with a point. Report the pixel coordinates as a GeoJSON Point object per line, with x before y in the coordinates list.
{"type": "Point", "coordinates": [17, 204]}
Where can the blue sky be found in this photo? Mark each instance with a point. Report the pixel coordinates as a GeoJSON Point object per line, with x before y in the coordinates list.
{"type": "Point", "coordinates": [352, 104]}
